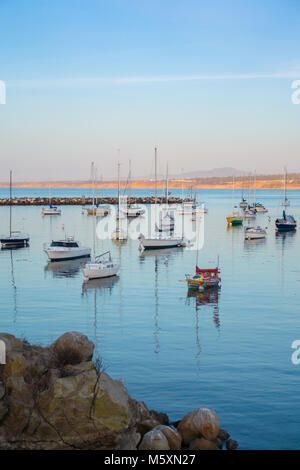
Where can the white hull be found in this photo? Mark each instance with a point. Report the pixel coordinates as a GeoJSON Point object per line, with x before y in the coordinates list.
{"type": "Point", "coordinates": [96, 271]}
{"type": "Point", "coordinates": [51, 211]}
{"type": "Point", "coordinates": [254, 236]}
{"type": "Point", "coordinates": [160, 242]}
{"type": "Point", "coordinates": [62, 253]}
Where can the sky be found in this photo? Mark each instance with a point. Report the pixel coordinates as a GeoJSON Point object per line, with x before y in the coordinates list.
{"type": "Point", "coordinates": [209, 83]}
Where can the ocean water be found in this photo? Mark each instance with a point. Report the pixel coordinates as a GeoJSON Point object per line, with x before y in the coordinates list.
{"type": "Point", "coordinates": [229, 350]}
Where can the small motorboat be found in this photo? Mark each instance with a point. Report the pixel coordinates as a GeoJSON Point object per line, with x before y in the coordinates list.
{"type": "Point", "coordinates": [62, 250]}
{"type": "Point", "coordinates": [204, 279]}
{"type": "Point", "coordinates": [286, 224]}
{"type": "Point", "coordinates": [255, 233]}
{"type": "Point", "coordinates": [100, 268]}
{"type": "Point", "coordinates": [51, 210]}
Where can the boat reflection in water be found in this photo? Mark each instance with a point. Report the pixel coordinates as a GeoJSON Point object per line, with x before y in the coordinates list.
{"type": "Point", "coordinates": [105, 283]}
{"type": "Point", "coordinates": [207, 297]}
{"type": "Point", "coordinates": [202, 299]}
{"type": "Point", "coordinates": [69, 268]}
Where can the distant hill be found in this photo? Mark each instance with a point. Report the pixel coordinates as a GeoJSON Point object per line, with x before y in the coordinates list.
{"type": "Point", "coordinates": [215, 173]}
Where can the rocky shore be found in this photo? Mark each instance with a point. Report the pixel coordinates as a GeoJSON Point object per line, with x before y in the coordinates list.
{"type": "Point", "coordinates": [79, 201]}
{"type": "Point", "coordinates": [56, 397]}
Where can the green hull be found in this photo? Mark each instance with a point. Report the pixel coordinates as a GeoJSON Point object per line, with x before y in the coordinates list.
{"type": "Point", "coordinates": [237, 222]}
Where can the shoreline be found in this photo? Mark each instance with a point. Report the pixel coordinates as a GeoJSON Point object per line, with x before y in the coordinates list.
{"type": "Point", "coordinates": [150, 185]}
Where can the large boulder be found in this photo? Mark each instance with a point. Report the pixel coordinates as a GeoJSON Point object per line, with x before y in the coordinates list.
{"type": "Point", "coordinates": [199, 423]}
{"type": "Point", "coordinates": [75, 346]}
{"type": "Point", "coordinates": [46, 406]}
{"type": "Point", "coordinates": [154, 440]}
{"type": "Point", "coordinates": [173, 437]}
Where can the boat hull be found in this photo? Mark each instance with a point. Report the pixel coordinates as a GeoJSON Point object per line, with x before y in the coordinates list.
{"type": "Point", "coordinates": [93, 272]}
{"type": "Point", "coordinates": [14, 242]}
{"type": "Point", "coordinates": [286, 227]}
{"type": "Point", "coordinates": [158, 243]}
{"type": "Point", "coordinates": [64, 254]}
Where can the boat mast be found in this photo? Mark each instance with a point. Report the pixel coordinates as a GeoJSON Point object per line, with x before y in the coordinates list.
{"type": "Point", "coordinates": [284, 190]}
{"type": "Point", "coordinates": [93, 213]}
{"type": "Point", "coordinates": [10, 201]}
{"type": "Point", "coordinates": [167, 186]}
{"type": "Point", "coordinates": [129, 184]}
{"type": "Point", "coordinates": [118, 226]}
{"type": "Point", "coordinates": [254, 189]}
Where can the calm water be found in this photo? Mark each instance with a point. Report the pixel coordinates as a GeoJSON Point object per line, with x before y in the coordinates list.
{"type": "Point", "coordinates": [230, 351]}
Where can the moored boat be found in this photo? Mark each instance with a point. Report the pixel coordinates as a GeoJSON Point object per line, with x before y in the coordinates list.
{"type": "Point", "coordinates": [204, 279]}
{"type": "Point", "coordinates": [255, 233]}
{"type": "Point", "coordinates": [286, 223]}
{"type": "Point", "coordinates": [62, 250]}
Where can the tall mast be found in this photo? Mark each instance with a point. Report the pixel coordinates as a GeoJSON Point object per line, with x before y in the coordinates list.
{"type": "Point", "coordinates": [129, 183]}
{"type": "Point", "coordinates": [155, 175]}
{"type": "Point", "coordinates": [249, 190]}
{"type": "Point", "coordinates": [93, 213]}
{"type": "Point", "coordinates": [10, 201]}
{"type": "Point", "coordinates": [254, 189]}
{"type": "Point", "coordinates": [182, 185]}
{"type": "Point", "coordinates": [167, 186]}
{"type": "Point", "coordinates": [118, 185]}
{"type": "Point", "coordinates": [284, 190]}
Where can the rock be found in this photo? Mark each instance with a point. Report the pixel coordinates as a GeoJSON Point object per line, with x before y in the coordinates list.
{"type": "Point", "coordinates": [147, 425]}
{"type": "Point", "coordinates": [130, 440]}
{"type": "Point", "coordinates": [173, 437]}
{"type": "Point", "coordinates": [82, 409]}
{"type": "Point", "coordinates": [231, 444]}
{"type": "Point", "coordinates": [223, 435]}
{"type": "Point", "coordinates": [162, 418]}
{"type": "Point", "coordinates": [2, 390]}
{"type": "Point", "coordinates": [199, 423]}
{"type": "Point", "coordinates": [202, 444]}
{"type": "Point", "coordinates": [154, 440]}
{"type": "Point", "coordinates": [74, 347]}
{"type": "Point", "coordinates": [3, 410]}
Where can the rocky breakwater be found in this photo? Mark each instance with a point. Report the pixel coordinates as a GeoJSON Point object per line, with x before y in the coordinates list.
{"type": "Point", "coordinates": [56, 397]}
{"type": "Point", "coordinates": [79, 201]}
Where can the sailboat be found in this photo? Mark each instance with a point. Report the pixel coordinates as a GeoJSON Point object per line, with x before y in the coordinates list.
{"type": "Point", "coordinates": [234, 218]}
{"type": "Point", "coordinates": [119, 234]}
{"type": "Point", "coordinates": [99, 266]}
{"type": "Point", "coordinates": [286, 223]}
{"type": "Point", "coordinates": [243, 203]}
{"type": "Point", "coordinates": [132, 210]}
{"type": "Point", "coordinates": [51, 210]}
{"type": "Point", "coordinates": [100, 209]}
{"type": "Point", "coordinates": [285, 201]}
{"type": "Point", "coordinates": [15, 239]}
{"type": "Point", "coordinates": [161, 241]}
{"type": "Point", "coordinates": [257, 207]}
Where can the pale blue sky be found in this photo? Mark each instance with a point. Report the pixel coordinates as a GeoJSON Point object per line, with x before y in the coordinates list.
{"type": "Point", "coordinates": [208, 82]}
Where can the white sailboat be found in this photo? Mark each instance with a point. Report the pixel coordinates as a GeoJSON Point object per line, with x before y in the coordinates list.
{"type": "Point", "coordinates": [99, 267]}
{"type": "Point", "coordinates": [51, 210]}
{"type": "Point", "coordinates": [161, 241]}
{"type": "Point", "coordinates": [131, 210]}
{"type": "Point", "coordinates": [255, 233]}
{"type": "Point", "coordinates": [15, 239]}
{"type": "Point", "coordinates": [119, 234]}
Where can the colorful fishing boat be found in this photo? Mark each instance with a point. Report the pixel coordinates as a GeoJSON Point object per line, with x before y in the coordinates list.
{"type": "Point", "coordinates": [234, 219]}
{"type": "Point", "coordinates": [204, 279]}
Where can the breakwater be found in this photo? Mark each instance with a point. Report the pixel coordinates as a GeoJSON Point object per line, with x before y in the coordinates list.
{"type": "Point", "coordinates": [80, 201]}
